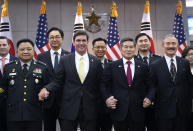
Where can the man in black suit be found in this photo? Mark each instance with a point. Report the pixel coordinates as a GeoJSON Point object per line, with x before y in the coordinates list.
{"type": "Point", "coordinates": [171, 76]}
{"type": "Point", "coordinates": [78, 79]}
{"type": "Point", "coordinates": [125, 87]}
{"type": "Point", "coordinates": [5, 58]}
{"type": "Point", "coordinates": [104, 122]}
{"type": "Point", "coordinates": [143, 44]}
{"type": "Point", "coordinates": [51, 58]}
{"type": "Point", "coordinates": [22, 81]}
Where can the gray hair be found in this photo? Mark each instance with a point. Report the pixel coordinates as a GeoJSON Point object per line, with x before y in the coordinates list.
{"type": "Point", "coordinates": [168, 36]}
{"type": "Point", "coordinates": [126, 39]}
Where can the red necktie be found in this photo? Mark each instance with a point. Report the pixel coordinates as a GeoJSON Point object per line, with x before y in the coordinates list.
{"type": "Point", "coordinates": [129, 73]}
{"type": "Point", "coordinates": [2, 64]}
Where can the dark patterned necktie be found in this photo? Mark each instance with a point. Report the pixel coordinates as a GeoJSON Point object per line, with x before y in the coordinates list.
{"type": "Point", "coordinates": [25, 70]}
{"type": "Point", "coordinates": [172, 70]}
{"type": "Point", "coordinates": [145, 60]}
{"type": "Point", "coordinates": [56, 61]}
{"type": "Point", "coordinates": [129, 73]}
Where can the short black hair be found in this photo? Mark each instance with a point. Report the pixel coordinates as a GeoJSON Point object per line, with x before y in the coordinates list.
{"type": "Point", "coordinates": [25, 40]}
{"type": "Point", "coordinates": [98, 39]}
{"type": "Point", "coordinates": [126, 39]}
{"type": "Point", "coordinates": [141, 34]}
{"type": "Point", "coordinates": [4, 37]}
{"type": "Point", "coordinates": [55, 29]}
{"type": "Point", "coordinates": [81, 32]}
{"type": "Point", "coordinates": [186, 50]}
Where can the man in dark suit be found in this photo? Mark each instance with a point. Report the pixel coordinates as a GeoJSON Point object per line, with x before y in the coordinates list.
{"type": "Point", "coordinates": [104, 122]}
{"type": "Point", "coordinates": [22, 81]}
{"type": "Point", "coordinates": [143, 44]}
{"type": "Point", "coordinates": [51, 58]}
{"type": "Point", "coordinates": [5, 58]}
{"type": "Point", "coordinates": [78, 79]}
{"type": "Point", "coordinates": [171, 76]}
{"type": "Point", "coordinates": [125, 87]}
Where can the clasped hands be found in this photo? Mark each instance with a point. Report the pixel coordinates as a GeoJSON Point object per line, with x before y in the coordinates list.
{"type": "Point", "coordinates": [111, 102]}
{"type": "Point", "coordinates": [43, 94]}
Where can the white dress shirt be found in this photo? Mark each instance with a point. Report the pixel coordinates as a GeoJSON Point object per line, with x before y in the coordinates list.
{"type": "Point", "coordinates": [53, 55]}
{"type": "Point", "coordinates": [86, 62]}
{"type": "Point", "coordinates": [168, 61]}
{"type": "Point", "coordinates": [132, 66]}
{"type": "Point", "coordinates": [7, 58]}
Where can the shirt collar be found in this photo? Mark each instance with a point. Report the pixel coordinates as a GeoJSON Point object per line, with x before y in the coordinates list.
{"type": "Point", "coordinates": [125, 61]}
{"type": "Point", "coordinates": [7, 56]}
{"type": "Point", "coordinates": [78, 56]}
{"type": "Point", "coordinates": [168, 59]}
{"type": "Point", "coordinates": [142, 56]}
{"type": "Point", "coordinates": [59, 51]}
{"type": "Point", "coordinates": [28, 63]}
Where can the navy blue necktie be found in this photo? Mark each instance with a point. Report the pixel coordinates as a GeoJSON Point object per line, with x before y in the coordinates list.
{"type": "Point", "coordinates": [56, 61]}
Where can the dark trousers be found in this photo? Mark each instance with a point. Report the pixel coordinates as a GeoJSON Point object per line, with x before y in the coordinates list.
{"type": "Point", "coordinates": [179, 123]}
{"type": "Point", "coordinates": [50, 117]}
{"type": "Point", "coordinates": [190, 123]}
{"type": "Point", "coordinates": [24, 126]}
{"type": "Point", "coordinates": [3, 121]}
{"type": "Point", "coordinates": [150, 122]}
{"type": "Point", "coordinates": [129, 124]}
{"type": "Point", "coordinates": [72, 125]}
{"type": "Point", "coordinates": [104, 122]}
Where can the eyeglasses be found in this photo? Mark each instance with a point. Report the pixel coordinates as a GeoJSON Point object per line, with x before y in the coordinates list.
{"type": "Point", "coordinates": [78, 40]}
{"type": "Point", "coordinates": [55, 37]}
{"type": "Point", "coordinates": [100, 47]}
{"type": "Point", "coordinates": [190, 55]}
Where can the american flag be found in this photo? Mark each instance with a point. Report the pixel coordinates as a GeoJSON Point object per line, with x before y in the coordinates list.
{"type": "Point", "coordinates": [146, 25]}
{"type": "Point", "coordinates": [78, 23]}
{"type": "Point", "coordinates": [41, 43]}
{"type": "Point", "coordinates": [178, 29]}
{"type": "Point", "coordinates": [113, 46]}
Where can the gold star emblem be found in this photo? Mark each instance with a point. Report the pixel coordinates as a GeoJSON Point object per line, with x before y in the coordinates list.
{"type": "Point", "coordinates": [93, 19]}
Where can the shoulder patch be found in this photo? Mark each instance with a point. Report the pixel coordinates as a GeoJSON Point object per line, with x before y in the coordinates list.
{"type": "Point", "coordinates": [12, 62]}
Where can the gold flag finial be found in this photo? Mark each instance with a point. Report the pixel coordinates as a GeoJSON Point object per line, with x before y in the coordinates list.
{"type": "Point", "coordinates": [114, 10]}
{"type": "Point", "coordinates": [79, 8]}
{"type": "Point", "coordinates": [147, 7]}
{"type": "Point", "coordinates": [43, 8]}
{"type": "Point", "coordinates": [179, 7]}
{"type": "Point", "coordinates": [4, 7]}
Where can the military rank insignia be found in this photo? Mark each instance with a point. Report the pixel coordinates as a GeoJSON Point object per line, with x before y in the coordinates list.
{"type": "Point", "coordinates": [37, 71]}
{"type": "Point", "coordinates": [11, 82]}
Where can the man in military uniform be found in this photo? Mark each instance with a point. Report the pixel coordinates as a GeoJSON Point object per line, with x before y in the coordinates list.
{"type": "Point", "coordinates": [143, 44]}
{"type": "Point", "coordinates": [104, 122]}
{"type": "Point", "coordinates": [22, 81]}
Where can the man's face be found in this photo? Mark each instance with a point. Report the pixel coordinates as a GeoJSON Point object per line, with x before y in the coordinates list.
{"type": "Point", "coordinates": [4, 47]}
{"type": "Point", "coordinates": [128, 50]}
{"type": "Point", "coordinates": [99, 49]}
{"type": "Point", "coordinates": [143, 44]}
{"type": "Point", "coordinates": [190, 56]}
{"type": "Point", "coordinates": [170, 46]}
{"type": "Point", "coordinates": [55, 40]}
{"type": "Point", "coordinates": [81, 44]}
{"type": "Point", "coordinates": [25, 52]}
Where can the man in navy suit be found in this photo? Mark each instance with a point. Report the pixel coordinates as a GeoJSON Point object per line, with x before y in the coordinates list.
{"type": "Point", "coordinates": [78, 80]}
{"type": "Point", "coordinates": [51, 58]}
{"type": "Point", "coordinates": [5, 58]}
{"type": "Point", "coordinates": [171, 76]}
{"type": "Point", "coordinates": [125, 87]}
{"type": "Point", "coordinates": [104, 122]}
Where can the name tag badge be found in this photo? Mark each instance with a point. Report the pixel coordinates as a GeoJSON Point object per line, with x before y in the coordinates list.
{"type": "Point", "coordinates": [13, 74]}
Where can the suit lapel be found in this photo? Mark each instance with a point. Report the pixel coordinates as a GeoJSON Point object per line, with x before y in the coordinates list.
{"type": "Point", "coordinates": [91, 65]}
{"type": "Point", "coordinates": [31, 67]}
{"type": "Point", "coordinates": [165, 67]}
{"type": "Point", "coordinates": [50, 60]}
{"type": "Point", "coordinates": [137, 67]}
{"type": "Point", "coordinates": [120, 67]}
{"type": "Point", "coordinates": [73, 65]}
{"type": "Point", "coordinates": [179, 67]}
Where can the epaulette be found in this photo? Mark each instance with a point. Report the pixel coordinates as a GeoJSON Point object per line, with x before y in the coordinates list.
{"type": "Point", "coordinates": [12, 62]}
{"type": "Point", "coordinates": [40, 62]}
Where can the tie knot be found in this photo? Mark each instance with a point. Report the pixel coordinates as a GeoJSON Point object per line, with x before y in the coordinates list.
{"type": "Point", "coordinates": [25, 65]}
{"type": "Point", "coordinates": [172, 60]}
{"type": "Point", "coordinates": [3, 58]}
{"type": "Point", "coordinates": [56, 53]}
{"type": "Point", "coordinates": [145, 57]}
{"type": "Point", "coordinates": [81, 58]}
{"type": "Point", "coordinates": [129, 62]}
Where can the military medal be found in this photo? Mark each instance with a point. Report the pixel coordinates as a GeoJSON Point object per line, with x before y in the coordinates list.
{"type": "Point", "coordinates": [12, 82]}
{"type": "Point", "coordinates": [36, 81]}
